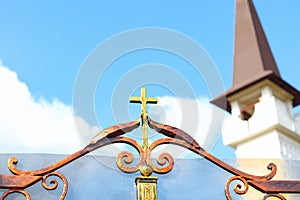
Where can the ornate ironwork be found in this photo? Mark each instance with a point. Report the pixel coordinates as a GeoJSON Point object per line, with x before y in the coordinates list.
{"type": "Point", "coordinates": [22, 179]}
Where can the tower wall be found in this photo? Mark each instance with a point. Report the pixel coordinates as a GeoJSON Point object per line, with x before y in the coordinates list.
{"type": "Point", "coordinates": [270, 131]}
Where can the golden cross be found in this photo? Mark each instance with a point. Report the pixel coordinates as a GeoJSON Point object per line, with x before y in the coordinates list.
{"type": "Point", "coordinates": [143, 99]}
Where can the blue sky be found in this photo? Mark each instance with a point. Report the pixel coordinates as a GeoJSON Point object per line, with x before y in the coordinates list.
{"type": "Point", "coordinates": [46, 44]}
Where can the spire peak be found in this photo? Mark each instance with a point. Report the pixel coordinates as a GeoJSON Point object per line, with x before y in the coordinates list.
{"type": "Point", "coordinates": [253, 58]}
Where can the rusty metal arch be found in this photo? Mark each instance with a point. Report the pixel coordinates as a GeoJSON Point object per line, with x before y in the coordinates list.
{"type": "Point", "coordinates": [19, 180]}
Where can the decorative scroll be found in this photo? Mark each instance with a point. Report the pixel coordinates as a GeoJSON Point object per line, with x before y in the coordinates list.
{"type": "Point", "coordinates": [20, 191]}
{"type": "Point", "coordinates": [19, 182]}
{"type": "Point", "coordinates": [165, 161]}
{"type": "Point", "coordinates": [274, 195]}
{"type": "Point", "coordinates": [21, 179]}
{"type": "Point", "coordinates": [54, 183]}
{"type": "Point", "coordinates": [240, 188]}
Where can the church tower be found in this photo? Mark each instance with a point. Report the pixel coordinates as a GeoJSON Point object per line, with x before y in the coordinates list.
{"type": "Point", "coordinates": [262, 123]}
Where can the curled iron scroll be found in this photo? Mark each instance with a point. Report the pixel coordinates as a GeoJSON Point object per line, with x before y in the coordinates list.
{"type": "Point", "coordinates": [20, 191]}
{"type": "Point", "coordinates": [274, 195]}
{"type": "Point", "coordinates": [53, 183]}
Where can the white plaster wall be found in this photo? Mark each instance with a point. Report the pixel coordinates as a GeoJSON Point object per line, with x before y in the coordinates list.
{"type": "Point", "coordinates": [285, 114]}
{"type": "Point", "coordinates": [262, 146]}
{"type": "Point", "coordinates": [265, 115]}
{"type": "Point", "coordinates": [297, 124]}
{"type": "Point", "coordinates": [234, 129]}
{"type": "Point", "coordinates": [290, 149]}
{"type": "Point", "coordinates": [257, 137]}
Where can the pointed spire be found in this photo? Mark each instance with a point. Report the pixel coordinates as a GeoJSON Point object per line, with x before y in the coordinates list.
{"type": "Point", "coordinates": [252, 53]}
{"type": "Point", "coordinates": [253, 58]}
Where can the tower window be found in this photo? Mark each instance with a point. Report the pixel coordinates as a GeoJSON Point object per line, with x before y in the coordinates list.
{"type": "Point", "coordinates": [247, 111]}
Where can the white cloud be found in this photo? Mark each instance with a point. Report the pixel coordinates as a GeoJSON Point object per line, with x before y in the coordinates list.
{"type": "Point", "coordinates": [28, 125]}
{"type": "Point", "coordinates": [197, 117]}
